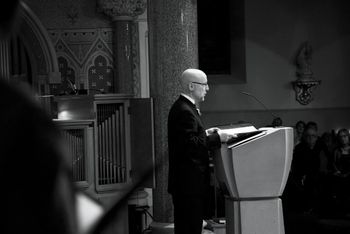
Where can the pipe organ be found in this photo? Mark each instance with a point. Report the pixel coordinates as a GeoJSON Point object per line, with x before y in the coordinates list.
{"type": "Point", "coordinates": [103, 134]}
{"type": "Point", "coordinates": [76, 150]}
{"type": "Point", "coordinates": [78, 136]}
{"type": "Point", "coordinates": [112, 134]}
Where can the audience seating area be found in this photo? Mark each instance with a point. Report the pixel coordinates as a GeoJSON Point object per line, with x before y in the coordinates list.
{"type": "Point", "coordinates": [317, 195]}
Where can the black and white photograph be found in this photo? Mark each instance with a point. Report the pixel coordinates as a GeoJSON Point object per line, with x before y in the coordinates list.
{"type": "Point", "coordinates": [175, 116]}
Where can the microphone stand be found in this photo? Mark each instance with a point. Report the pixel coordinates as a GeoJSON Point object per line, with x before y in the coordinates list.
{"type": "Point", "coordinates": [262, 104]}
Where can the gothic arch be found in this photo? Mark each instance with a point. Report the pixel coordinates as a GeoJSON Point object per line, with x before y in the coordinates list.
{"type": "Point", "coordinates": [108, 85]}
{"type": "Point", "coordinates": [36, 40]}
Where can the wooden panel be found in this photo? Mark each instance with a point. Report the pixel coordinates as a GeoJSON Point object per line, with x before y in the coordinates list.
{"type": "Point", "coordinates": [142, 141]}
{"type": "Point", "coordinates": [76, 107]}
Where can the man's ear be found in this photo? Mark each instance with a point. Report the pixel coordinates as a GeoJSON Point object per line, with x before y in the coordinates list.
{"type": "Point", "coordinates": [190, 86]}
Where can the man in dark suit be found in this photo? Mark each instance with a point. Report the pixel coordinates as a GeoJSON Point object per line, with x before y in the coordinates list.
{"type": "Point", "coordinates": [189, 144]}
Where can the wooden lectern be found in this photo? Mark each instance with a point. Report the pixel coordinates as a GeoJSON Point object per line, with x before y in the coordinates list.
{"type": "Point", "coordinates": [253, 171]}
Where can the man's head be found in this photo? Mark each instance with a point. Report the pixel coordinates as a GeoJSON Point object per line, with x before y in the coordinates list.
{"type": "Point", "coordinates": [277, 122]}
{"type": "Point", "coordinates": [312, 124]}
{"type": "Point", "coordinates": [311, 137]}
{"type": "Point", "coordinates": [300, 126]}
{"type": "Point", "coordinates": [195, 84]}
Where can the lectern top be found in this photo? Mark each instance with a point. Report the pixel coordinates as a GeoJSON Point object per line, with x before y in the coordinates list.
{"type": "Point", "coordinates": [244, 132]}
{"type": "Point", "coordinates": [258, 167]}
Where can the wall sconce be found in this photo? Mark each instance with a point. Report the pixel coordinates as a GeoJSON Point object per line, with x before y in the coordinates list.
{"type": "Point", "coordinates": [305, 84]}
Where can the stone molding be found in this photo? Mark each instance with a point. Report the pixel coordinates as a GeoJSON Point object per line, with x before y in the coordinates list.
{"type": "Point", "coordinates": [122, 9]}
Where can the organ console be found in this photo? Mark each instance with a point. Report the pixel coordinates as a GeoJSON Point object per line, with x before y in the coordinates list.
{"type": "Point", "coordinates": [253, 172]}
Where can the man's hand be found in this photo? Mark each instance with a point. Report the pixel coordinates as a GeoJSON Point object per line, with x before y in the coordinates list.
{"type": "Point", "coordinates": [224, 137]}
{"type": "Point", "coordinates": [210, 131]}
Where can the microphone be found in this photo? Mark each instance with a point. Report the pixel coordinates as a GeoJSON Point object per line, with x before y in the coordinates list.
{"type": "Point", "coordinates": [262, 104]}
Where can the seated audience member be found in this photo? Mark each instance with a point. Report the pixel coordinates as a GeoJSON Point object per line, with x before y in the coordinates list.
{"type": "Point", "coordinates": [342, 171]}
{"type": "Point", "coordinates": [342, 154]}
{"type": "Point", "coordinates": [277, 122]}
{"type": "Point", "coordinates": [308, 171]}
{"type": "Point", "coordinates": [298, 131]}
{"type": "Point", "coordinates": [329, 141]}
{"type": "Point", "coordinates": [311, 124]}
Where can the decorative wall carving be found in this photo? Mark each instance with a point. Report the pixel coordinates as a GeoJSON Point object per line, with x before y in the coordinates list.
{"type": "Point", "coordinates": [116, 8]}
{"type": "Point", "coordinates": [73, 14]}
{"type": "Point", "coordinates": [136, 77]}
{"type": "Point", "coordinates": [305, 84]}
{"type": "Point", "coordinates": [71, 10]}
{"type": "Point", "coordinates": [100, 75]}
{"type": "Point", "coordinates": [80, 48]}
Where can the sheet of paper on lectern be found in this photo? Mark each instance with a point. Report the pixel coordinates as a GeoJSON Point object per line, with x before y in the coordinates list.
{"type": "Point", "coordinates": [244, 132]}
{"type": "Point", "coordinates": [235, 129]}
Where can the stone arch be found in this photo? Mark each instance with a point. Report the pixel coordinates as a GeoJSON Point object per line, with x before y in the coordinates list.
{"type": "Point", "coordinates": [37, 42]}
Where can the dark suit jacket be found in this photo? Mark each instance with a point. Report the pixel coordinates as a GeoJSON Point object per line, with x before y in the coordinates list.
{"type": "Point", "coordinates": [188, 150]}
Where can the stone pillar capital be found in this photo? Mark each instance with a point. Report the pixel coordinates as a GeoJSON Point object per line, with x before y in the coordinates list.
{"type": "Point", "coordinates": [122, 9]}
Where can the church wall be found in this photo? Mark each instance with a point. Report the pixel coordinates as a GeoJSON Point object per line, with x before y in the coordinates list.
{"type": "Point", "coordinates": [82, 37]}
{"type": "Point", "coordinates": [274, 32]}
{"type": "Point", "coordinates": [66, 14]}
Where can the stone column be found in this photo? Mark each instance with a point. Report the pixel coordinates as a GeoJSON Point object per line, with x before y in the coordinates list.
{"type": "Point", "coordinates": [122, 13]}
{"type": "Point", "coordinates": [173, 48]}
{"type": "Point", "coordinates": [4, 59]}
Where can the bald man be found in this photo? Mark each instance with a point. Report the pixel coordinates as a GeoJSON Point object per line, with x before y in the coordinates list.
{"type": "Point", "coordinates": [189, 145]}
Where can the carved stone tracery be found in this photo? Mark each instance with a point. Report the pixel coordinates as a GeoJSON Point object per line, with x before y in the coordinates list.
{"type": "Point", "coordinates": [115, 8]}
